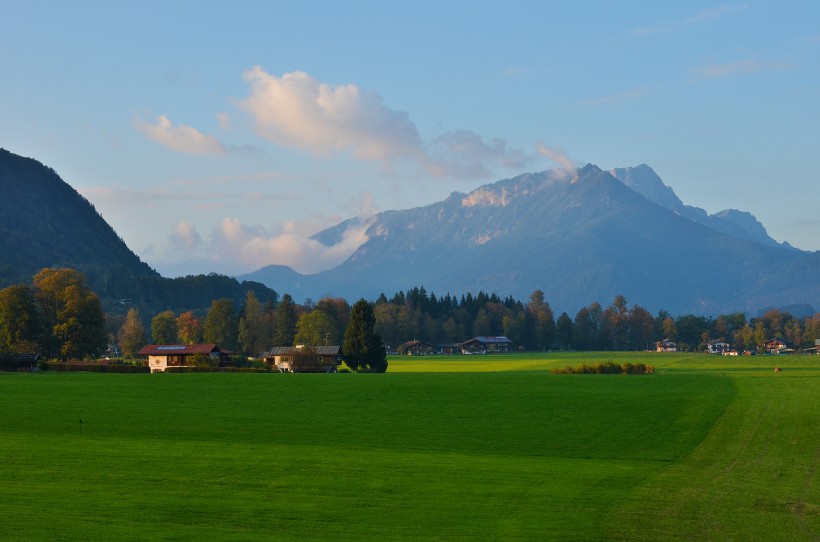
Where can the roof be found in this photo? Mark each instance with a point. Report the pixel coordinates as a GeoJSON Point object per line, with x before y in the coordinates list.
{"type": "Point", "coordinates": [493, 340]}
{"type": "Point", "coordinates": [412, 344]}
{"type": "Point", "coordinates": [177, 349]}
{"type": "Point", "coordinates": [286, 350]}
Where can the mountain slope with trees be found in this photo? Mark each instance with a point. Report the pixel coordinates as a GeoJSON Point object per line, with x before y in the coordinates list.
{"type": "Point", "coordinates": [45, 223]}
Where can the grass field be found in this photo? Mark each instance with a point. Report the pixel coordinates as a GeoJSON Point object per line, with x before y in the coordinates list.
{"type": "Point", "coordinates": [439, 448]}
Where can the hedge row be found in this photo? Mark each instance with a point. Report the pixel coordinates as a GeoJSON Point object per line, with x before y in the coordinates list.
{"type": "Point", "coordinates": [608, 368]}
{"type": "Point", "coordinates": [96, 368]}
{"type": "Point", "coordinates": [215, 370]}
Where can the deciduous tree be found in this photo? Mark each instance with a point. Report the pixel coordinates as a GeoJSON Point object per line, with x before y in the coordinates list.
{"type": "Point", "coordinates": [189, 328]}
{"type": "Point", "coordinates": [72, 314]}
{"type": "Point", "coordinates": [132, 334]}
{"type": "Point", "coordinates": [21, 327]}
{"type": "Point", "coordinates": [164, 328]}
{"type": "Point", "coordinates": [221, 325]}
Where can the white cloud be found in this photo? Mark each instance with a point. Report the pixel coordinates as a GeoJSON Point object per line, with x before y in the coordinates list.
{"type": "Point", "coordinates": [701, 17]}
{"type": "Point", "coordinates": [297, 111]}
{"type": "Point", "coordinates": [463, 153]}
{"type": "Point", "coordinates": [253, 247]}
{"type": "Point", "coordinates": [558, 156]}
{"type": "Point", "coordinates": [736, 68]}
{"type": "Point", "coordinates": [180, 138]}
{"type": "Point", "coordinates": [185, 236]}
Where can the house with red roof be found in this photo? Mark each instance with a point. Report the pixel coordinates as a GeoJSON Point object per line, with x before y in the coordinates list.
{"type": "Point", "coordinates": [162, 356]}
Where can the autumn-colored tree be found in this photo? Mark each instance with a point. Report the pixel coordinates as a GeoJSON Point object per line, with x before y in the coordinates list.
{"type": "Point", "coordinates": [132, 334]}
{"type": "Point", "coordinates": [72, 314]}
{"type": "Point", "coordinates": [189, 328]}
{"type": "Point", "coordinates": [21, 326]}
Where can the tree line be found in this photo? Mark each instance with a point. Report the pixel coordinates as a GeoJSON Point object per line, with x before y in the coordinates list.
{"type": "Point", "coordinates": [59, 316]}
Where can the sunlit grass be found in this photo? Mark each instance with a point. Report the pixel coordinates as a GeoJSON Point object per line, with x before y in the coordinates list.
{"type": "Point", "coordinates": [444, 448]}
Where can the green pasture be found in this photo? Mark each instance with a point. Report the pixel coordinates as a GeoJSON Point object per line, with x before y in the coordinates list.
{"type": "Point", "coordinates": [439, 448]}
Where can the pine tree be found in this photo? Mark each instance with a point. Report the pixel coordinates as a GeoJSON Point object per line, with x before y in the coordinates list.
{"type": "Point", "coordinates": [362, 346]}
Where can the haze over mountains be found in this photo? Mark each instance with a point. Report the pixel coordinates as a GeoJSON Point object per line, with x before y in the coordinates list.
{"type": "Point", "coordinates": [580, 236]}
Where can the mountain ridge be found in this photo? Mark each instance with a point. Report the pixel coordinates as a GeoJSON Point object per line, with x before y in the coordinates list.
{"type": "Point", "coordinates": [581, 237]}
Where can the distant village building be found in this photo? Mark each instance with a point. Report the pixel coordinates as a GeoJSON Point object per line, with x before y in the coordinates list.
{"type": "Point", "coordinates": [666, 345]}
{"type": "Point", "coordinates": [482, 345]}
{"type": "Point", "coordinates": [162, 356]}
{"type": "Point", "coordinates": [775, 346]}
{"type": "Point", "coordinates": [718, 347]}
{"type": "Point", "coordinates": [304, 359]}
{"type": "Point", "coordinates": [414, 348]}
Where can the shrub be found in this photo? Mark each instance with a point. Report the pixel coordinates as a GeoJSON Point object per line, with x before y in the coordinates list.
{"type": "Point", "coordinates": [610, 367]}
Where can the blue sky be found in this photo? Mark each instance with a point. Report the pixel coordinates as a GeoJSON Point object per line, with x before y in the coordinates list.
{"type": "Point", "coordinates": [218, 136]}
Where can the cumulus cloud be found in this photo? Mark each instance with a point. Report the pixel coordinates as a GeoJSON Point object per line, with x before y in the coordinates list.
{"type": "Point", "coordinates": [180, 138]}
{"type": "Point", "coordinates": [558, 156]}
{"type": "Point", "coordinates": [185, 236]}
{"type": "Point", "coordinates": [297, 111]}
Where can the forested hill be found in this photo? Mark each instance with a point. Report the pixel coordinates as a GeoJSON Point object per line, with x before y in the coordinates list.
{"type": "Point", "coordinates": [44, 222]}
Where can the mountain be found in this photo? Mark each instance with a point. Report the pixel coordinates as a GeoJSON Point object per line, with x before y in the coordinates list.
{"type": "Point", "coordinates": [643, 180]}
{"type": "Point", "coordinates": [585, 237]}
{"type": "Point", "coordinates": [44, 222]}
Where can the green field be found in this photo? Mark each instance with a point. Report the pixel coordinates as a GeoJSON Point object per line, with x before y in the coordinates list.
{"type": "Point", "coordinates": [439, 448]}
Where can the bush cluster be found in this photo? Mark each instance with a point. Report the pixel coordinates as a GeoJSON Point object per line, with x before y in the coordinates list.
{"type": "Point", "coordinates": [607, 368]}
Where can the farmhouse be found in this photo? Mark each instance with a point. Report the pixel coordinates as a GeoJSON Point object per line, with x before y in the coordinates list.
{"type": "Point", "coordinates": [413, 348]}
{"type": "Point", "coordinates": [162, 356]}
{"type": "Point", "coordinates": [666, 345]}
{"type": "Point", "coordinates": [775, 346]}
{"type": "Point", "coordinates": [717, 347]}
{"type": "Point", "coordinates": [287, 359]}
{"type": "Point", "coordinates": [483, 345]}
{"type": "Point", "coordinates": [449, 348]}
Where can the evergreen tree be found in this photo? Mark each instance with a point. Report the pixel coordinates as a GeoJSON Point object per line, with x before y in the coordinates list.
{"type": "Point", "coordinates": [362, 346]}
{"type": "Point", "coordinates": [285, 324]}
{"type": "Point", "coordinates": [563, 331]}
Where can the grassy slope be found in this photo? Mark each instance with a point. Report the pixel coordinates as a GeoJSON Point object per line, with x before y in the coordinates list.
{"type": "Point", "coordinates": [705, 449]}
